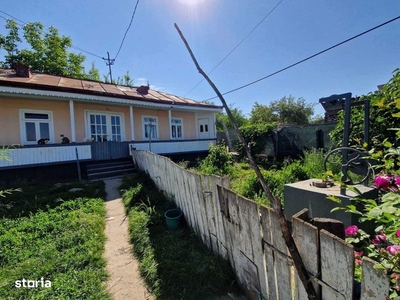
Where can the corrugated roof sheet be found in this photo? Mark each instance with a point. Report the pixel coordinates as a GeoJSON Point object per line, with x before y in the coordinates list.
{"type": "Point", "coordinates": [81, 86]}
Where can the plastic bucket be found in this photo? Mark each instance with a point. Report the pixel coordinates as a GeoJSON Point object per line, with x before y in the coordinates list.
{"type": "Point", "coordinates": [173, 218]}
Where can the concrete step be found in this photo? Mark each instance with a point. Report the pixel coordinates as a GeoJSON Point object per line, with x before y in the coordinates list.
{"type": "Point", "coordinates": [110, 174]}
{"type": "Point", "coordinates": [108, 169]}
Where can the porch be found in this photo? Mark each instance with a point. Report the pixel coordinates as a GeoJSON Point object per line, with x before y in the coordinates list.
{"type": "Point", "coordinates": [36, 155]}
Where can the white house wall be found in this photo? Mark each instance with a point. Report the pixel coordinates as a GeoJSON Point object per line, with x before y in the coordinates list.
{"type": "Point", "coordinates": [44, 155]}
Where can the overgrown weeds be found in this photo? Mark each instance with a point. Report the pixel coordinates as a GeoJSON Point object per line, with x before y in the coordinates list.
{"type": "Point", "coordinates": [52, 233]}
{"type": "Point", "coordinates": [174, 264]}
{"type": "Point", "coordinates": [244, 181]}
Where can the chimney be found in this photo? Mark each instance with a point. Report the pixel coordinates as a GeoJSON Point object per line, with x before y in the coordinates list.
{"type": "Point", "coordinates": [22, 71]}
{"type": "Point", "coordinates": [143, 89]}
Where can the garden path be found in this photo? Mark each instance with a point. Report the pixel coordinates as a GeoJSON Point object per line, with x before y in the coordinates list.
{"type": "Point", "coordinates": [124, 282]}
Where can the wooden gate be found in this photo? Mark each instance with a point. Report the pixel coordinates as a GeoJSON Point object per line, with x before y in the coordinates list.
{"type": "Point", "coordinates": [109, 150]}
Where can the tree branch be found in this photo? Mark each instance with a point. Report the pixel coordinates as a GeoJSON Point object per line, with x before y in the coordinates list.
{"type": "Point", "coordinates": [276, 204]}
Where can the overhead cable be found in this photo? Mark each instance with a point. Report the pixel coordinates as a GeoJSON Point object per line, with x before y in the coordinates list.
{"type": "Point", "coordinates": [259, 23]}
{"type": "Point", "coordinates": [129, 26]}
{"type": "Point", "coordinates": [305, 59]}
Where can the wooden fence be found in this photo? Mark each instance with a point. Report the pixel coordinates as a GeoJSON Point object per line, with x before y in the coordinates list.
{"type": "Point", "coordinates": [249, 236]}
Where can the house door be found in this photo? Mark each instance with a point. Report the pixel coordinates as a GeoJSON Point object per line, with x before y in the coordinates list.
{"type": "Point", "coordinates": [203, 128]}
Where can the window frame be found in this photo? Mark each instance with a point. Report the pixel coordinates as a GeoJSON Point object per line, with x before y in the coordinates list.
{"type": "Point", "coordinates": [23, 121]}
{"type": "Point", "coordinates": [108, 115]}
{"type": "Point", "coordinates": [144, 123]}
{"type": "Point", "coordinates": [177, 125]}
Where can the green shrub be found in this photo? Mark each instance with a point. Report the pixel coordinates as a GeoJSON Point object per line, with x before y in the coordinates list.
{"type": "Point", "coordinates": [218, 161]}
{"type": "Point", "coordinates": [255, 135]}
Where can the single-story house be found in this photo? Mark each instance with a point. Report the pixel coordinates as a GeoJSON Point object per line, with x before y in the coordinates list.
{"type": "Point", "coordinates": [47, 119]}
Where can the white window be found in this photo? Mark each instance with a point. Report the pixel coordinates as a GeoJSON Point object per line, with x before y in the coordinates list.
{"type": "Point", "coordinates": [36, 125]}
{"type": "Point", "coordinates": [150, 127]}
{"type": "Point", "coordinates": [176, 128]}
{"type": "Point", "coordinates": [102, 127]}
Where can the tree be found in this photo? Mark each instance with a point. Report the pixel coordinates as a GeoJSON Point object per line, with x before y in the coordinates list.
{"type": "Point", "coordinates": [284, 111]}
{"type": "Point", "coordinates": [93, 73]}
{"type": "Point", "coordinates": [382, 120]}
{"type": "Point", "coordinates": [262, 114]}
{"type": "Point", "coordinates": [48, 51]}
{"type": "Point", "coordinates": [291, 111]}
{"type": "Point", "coordinates": [223, 121]}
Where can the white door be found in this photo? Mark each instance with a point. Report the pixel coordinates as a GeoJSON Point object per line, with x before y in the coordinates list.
{"type": "Point", "coordinates": [203, 128]}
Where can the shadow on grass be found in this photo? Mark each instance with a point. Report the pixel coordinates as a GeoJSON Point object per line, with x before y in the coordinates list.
{"type": "Point", "coordinates": [174, 264]}
{"type": "Point", "coordinates": [37, 196]}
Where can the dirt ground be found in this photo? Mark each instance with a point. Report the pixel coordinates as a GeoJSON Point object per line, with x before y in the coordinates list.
{"type": "Point", "coordinates": [125, 281]}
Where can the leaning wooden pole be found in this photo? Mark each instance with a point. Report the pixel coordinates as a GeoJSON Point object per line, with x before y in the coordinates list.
{"type": "Point", "coordinates": [276, 204]}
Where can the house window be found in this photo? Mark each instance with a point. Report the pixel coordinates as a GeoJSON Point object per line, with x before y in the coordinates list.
{"type": "Point", "coordinates": [105, 126]}
{"type": "Point", "coordinates": [150, 127]}
{"type": "Point", "coordinates": [176, 128]}
{"type": "Point", "coordinates": [36, 125]}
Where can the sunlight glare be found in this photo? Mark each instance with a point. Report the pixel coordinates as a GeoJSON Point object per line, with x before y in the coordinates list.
{"type": "Point", "coordinates": [191, 2]}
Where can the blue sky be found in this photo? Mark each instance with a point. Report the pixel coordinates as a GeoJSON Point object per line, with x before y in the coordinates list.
{"type": "Point", "coordinates": [154, 52]}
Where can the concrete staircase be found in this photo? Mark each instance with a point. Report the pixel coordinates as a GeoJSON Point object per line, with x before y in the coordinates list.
{"type": "Point", "coordinates": [109, 169]}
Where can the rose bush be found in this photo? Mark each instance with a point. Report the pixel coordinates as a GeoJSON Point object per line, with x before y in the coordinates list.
{"type": "Point", "coordinates": [384, 212]}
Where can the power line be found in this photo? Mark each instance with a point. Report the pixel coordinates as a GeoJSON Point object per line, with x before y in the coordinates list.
{"type": "Point", "coordinates": [259, 23]}
{"type": "Point", "coordinates": [308, 58]}
{"type": "Point", "coordinates": [24, 23]}
{"type": "Point", "coordinates": [129, 26]}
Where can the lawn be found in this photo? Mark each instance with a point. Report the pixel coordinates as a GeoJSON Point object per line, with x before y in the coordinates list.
{"type": "Point", "coordinates": [174, 264]}
{"type": "Point", "coordinates": [52, 241]}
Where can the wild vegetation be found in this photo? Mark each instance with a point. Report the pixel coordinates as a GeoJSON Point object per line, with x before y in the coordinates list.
{"type": "Point", "coordinates": [174, 264]}
{"type": "Point", "coordinates": [277, 174]}
{"type": "Point", "coordinates": [50, 234]}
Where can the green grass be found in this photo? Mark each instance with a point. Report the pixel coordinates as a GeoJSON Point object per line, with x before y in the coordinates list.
{"type": "Point", "coordinates": [46, 231]}
{"type": "Point", "coordinates": [174, 264]}
{"type": "Point", "coordinates": [244, 180]}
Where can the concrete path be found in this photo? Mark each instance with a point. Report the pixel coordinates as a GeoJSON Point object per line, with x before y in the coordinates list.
{"type": "Point", "coordinates": [125, 282]}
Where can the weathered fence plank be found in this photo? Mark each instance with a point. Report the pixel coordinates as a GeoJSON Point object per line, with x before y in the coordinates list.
{"type": "Point", "coordinates": [337, 267]}
{"type": "Point", "coordinates": [375, 283]}
{"type": "Point", "coordinates": [306, 238]}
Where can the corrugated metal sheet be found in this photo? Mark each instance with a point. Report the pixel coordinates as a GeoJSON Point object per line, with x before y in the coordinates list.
{"type": "Point", "coordinates": [72, 85]}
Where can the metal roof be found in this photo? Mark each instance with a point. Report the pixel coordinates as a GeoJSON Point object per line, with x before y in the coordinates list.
{"type": "Point", "coordinates": [45, 82]}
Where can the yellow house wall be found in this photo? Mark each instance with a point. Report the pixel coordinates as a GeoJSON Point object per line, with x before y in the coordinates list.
{"type": "Point", "coordinates": [10, 132]}
{"type": "Point", "coordinates": [10, 119]}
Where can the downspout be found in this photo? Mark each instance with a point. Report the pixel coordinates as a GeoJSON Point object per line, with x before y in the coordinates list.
{"type": "Point", "coordinates": [72, 120]}
{"type": "Point", "coordinates": [132, 124]}
{"type": "Point", "coordinates": [170, 124]}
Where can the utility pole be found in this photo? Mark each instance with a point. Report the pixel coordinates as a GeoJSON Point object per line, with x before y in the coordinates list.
{"type": "Point", "coordinates": [109, 63]}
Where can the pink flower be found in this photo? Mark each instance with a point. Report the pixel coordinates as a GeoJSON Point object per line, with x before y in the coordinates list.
{"type": "Point", "coordinates": [393, 250]}
{"type": "Point", "coordinates": [397, 181]}
{"type": "Point", "coordinates": [352, 230]}
{"type": "Point", "coordinates": [395, 276]}
{"type": "Point", "coordinates": [382, 181]}
{"type": "Point", "coordinates": [358, 262]}
{"type": "Point", "coordinates": [380, 239]}
{"type": "Point", "coordinates": [398, 233]}
{"type": "Point", "coordinates": [358, 254]}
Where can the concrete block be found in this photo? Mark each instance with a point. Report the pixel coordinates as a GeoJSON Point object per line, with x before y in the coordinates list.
{"type": "Point", "coordinates": [303, 194]}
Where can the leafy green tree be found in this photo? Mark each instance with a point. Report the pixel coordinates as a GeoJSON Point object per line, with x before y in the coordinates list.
{"type": "Point", "coordinates": [382, 119]}
{"type": "Point", "coordinates": [93, 73]}
{"type": "Point", "coordinates": [223, 121]}
{"type": "Point", "coordinates": [291, 111]}
{"type": "Point", "coordinates": [48, 51]}
{"type": "Point", "coordinates": [287, 110]}
{"type": "Point", "coordinates": [262, 114]}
